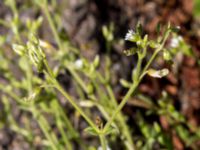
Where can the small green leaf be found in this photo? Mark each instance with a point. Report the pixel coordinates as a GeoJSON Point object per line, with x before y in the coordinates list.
{"type": "Point", "coordinates": [41, 2]}
{"type": "Point", "coordinates": [158, 28]}
{"type": "Point", "coordinates": [108, 32]}
{"type": "Point", "coordinates": [139, 28]}
{"type": "Point", "coordinates": [19, 49]}
{"type": "Point", "coordinates": [105, 31]}
{"type": "Point", "coordinates": [125, 83]}
{"type": "Point", "coordinates": [90, 88]}
{"type": "Point", "coordinates": [198, 62]}
{"type": "Point", "coordinates": [157, 127]}
{"type": "Point", "coordinates": [153, 44]}
{"type": "Point", "coordinates": [130, 51]}
{"type": "Point", "coordinates": [33, 95]}
{"type": "Point", "coordinates": [111, 130]}
{"type": "Point", "coordinates": [33, 39]}
{"type": "Point", "coordinates": [158, 73]}
{"type": "Point", "coordinates": [167, 55]}
{"type": "Point", "coordinates": [2, 40]}
{"type": "Point", "coordinates": [175, 29]}
{"type": "Point", "coordinates": [196, 9]}
{"type": "Point", "coordinates": [24, 64]}
{"type": "Point", "coordinates": [145, 38]}
{"type": "Point", "coordinates": [91, 131]}
{"type": "Point", "coordinates": [96, 61]}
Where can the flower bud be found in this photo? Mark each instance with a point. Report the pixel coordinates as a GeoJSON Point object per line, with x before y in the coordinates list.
{"type": "Point", "coordinates": [158, 73]}
{"type": "Point", "coordinates": [19, 49]}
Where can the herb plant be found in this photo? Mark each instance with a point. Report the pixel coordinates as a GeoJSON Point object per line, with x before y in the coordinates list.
{"type": "Point", "coordinates": [37, 90]}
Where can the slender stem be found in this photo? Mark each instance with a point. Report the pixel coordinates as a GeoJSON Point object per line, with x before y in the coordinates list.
{"type": "Point", "coordinates": [137, 81]}
{"type": "Point", "coordinates": [121, 119]}
{"type": "Point", "coordinates": [73, 132]}
{"type": "Point", "coordinates": [12, 123]}
{"type": "Point", "coordinates": [67, 96]}
{"type": "Point", "coordinates": [122, 122]}
{"type": "Point", "coordinates": [121, 105]}
{"type": "Point", "coordinates": [139, 64]}
{"type": "Point", "coordinates": [78, 79]}
{"type": "Point", "coordinates": [50, 72]}
{"type": "Point", "coordinates": [52, 25]}
{"type": "Point", "coordinates": [12, 95]}
{"type": "Point", "coordinates": [130, 145]}
{"type": "Point", "coordinates": [15, 27]}
{"type": "Point", "coordinates": [64, 136]}
{"type": "Point", "coordinates": [45, 128]}
{"type": "Point", "coordinates": [29, 76]}
{"type": "Point", "coordinates": [155, 54]}
{"type": "Point", "coordinates": [125, 130]}
{"type": "Point", "coordinates": [148, 64]}
{"type": "Point", "coordinates": [127, 96]}
{"type": "Point", "coordinates": [103, 141]}
{"type": "Point", "coordinates": [4, 23]}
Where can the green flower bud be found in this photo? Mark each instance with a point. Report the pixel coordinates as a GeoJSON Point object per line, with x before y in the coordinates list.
{"type": "Point", "coordinates": [36, 54]}
{"type": "Point", "coordinates": [166, 55]}
{"type": "Point", "coordinates": [158, 73]}
{"type": "Point", "coordinates": [90, 89]}
{"type": "Point", "coordinates": [125, 83]}
{"type": "Point", "coordinates": [130, 51]}
{"type": "Point", "coordinates": [33, 39]}
{"type": "Point", "coordinates": [19, 49]}
{"type": "Point", "coordinates": [96, 61]}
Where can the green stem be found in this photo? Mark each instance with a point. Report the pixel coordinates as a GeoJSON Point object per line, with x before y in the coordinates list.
{"type": "Point", "coordinates": [103, 141]}
{"type": "Point", "coordinates": [29, 77]}
{"type": "Point", "coordinates": [73, 132]}
{"type": "Point", "coordinates": [130, 145]}
{"type": "Point", "coordinates": [154, 55]}
{"type": "Point", "coordinates": [150, 60]}
{"type": "Point", "coordinates": [45, 128]}
{"type": "Point", "coordinates": [121, 119]}
{"type": "Point", "coordinates": [136, 81]}
{"type": "Point", "coordinates": [12, 95]}
{"type": "Point", "coordinates": [78, 79]}
{"type": "Point", "coordinates": [121, 105]}
{"type": "Point", "coordinates": [63, 134]}
{"type": "Point", "coordinates": [127, 96]}
{"type": "Point", "coordinates": [13, 124]}
{"type": "Point", "coordinates": [4, 23]}
{"type": "Point", "coordinates": [52, 25]}
{"type": "Point", "coordinates": [70, 99]}
{"type": "Point", "coordinates": [138, 68]}
{"type": "Point", "coordinates": [67, 96]}
{"type": "Point", "coordinates": [113, 102]}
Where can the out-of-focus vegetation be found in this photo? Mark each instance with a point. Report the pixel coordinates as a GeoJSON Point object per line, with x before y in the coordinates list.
{"type": "Point", "coordinates": [197, 8]}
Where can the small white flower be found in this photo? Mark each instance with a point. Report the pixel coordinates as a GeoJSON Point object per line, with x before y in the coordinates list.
{"type": "Point", "coordinates": [78, 63]}
{"type": "Point", "coordinates": [178, 27]}
{"type": "Point", "coordinates": [129, 35]}
{"type": "Point", "coordinates": [175, 41]}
